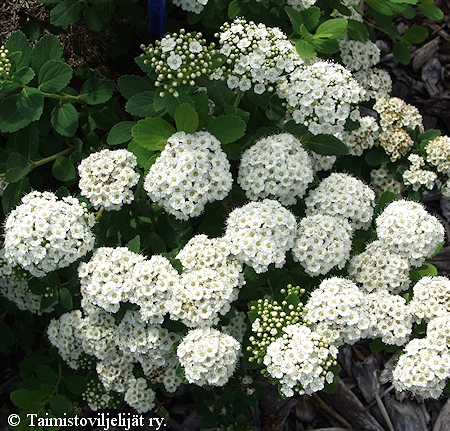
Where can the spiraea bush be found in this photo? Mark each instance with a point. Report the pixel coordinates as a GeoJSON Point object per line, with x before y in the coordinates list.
{"type": "Point", "coordinates": [222, 212]}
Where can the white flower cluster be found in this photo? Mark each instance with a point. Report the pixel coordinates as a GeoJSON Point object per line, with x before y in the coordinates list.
{"type": "Point", "coordinates": [106, 178]}
{"type": "Point", "coordinates": [276, 167]}
{"type": "Point", "coordinates": [237, 326]}
{"type": "Point", "coordinates": [300, 361]}
{"type": "Point", "coordinates": [209, 283]}
{"type": "Point", "coordinates": [322, 163]}
{"type": "Point", "coordinates": [260, 233]}
{"type": "Point", "coordinates": [105, 279]}
{"type": "Point", "coordinates": [336, 311]}
{"type": "Point", "coordinates": [376, 82]}
{"type": "Point", "coordinates": [139, 396]}
{"type": "Point", "coordinates": [195, 6]}
{"type": "Point", "coordinates": [257, 56]}
{"type": "Point", "coordinates": [357, 55]}
{"type": "Point", "coordinates": [407, 229]}
{"type": "Point", "coordinates": [417, 177]}
{"type": "Point", "coordinates": [191, 171]}
{"type": "Point", "coordinates": [342, 195]}
{"type": "Point", "coordinates": [382, 180]}
{"type": "Point", "coordinates": [322, 96]}
{"type": "Point", "coordinates": [43, 233]}
{"type": "Point", "coordinates": [390, 317]}
{"type": "Point", "coordinates": [179, 59]}
{"type": "Point", "coordinates": [422, 368]}
{"type": "Point", "coordinates": [363, 138]}
{"type": "Point", "coordinates": [322, 243]}
{"type": "Point", "coordinates": [438, 153]}
{"type": "Point", "coordinates": [301, 4]}
{"type": "Point", "coordinates": [431, 298]}
{"type": "Point", "coordinates": [396, 117]}
{"type": "Point", "coordinates": [379, 268]}
{"type": "Point", "coordinates": [5, 63]}
{"type": "Point", "coordinates": [208, 356]}
{"type": "Point", "coordinates": [97, 397]}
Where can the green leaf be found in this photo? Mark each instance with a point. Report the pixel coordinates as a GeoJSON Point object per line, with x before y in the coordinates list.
{"type": "Point", "coordinates": [357, 31]}
{"type": "Point", "coordinates": [236, 8]}
{"type": "Point", "coordinates": [311, 17]}
{"type": "Point", "coordinates": [18, 42]}
{"type": "Point", "coordinates": [426, 270]}
{"type": "Point", "coordinates": [142, 154]}
{"type": "Point", "coordinates": [14, 192]}
{"type": "Point", "coordinates": [135, 244]}
{"type": "Point", "coordinates": [63, 169]}
{"type": "Point", "coordinates": [186, 118]}
{"type": "Point", "coordinates": [65, 298]}
{"type": "Point", "coordinates": [401, 52]}
{"type": "Point", "coordinates": [30, 103]}
{"type": "Point", "coordinates": [130, 85]}
{"type": "Point", "coordinates": [120, 133]}
{"type": "Point", "coordinates": [227, 128]}
{"type": "Point", "coordinates": [7, 339]}
{"type": "Point", "coordinates": [92, 19]}
{"type": "Point", "coordinates": [26, 141]}
{"type": "Point", "coordinates": [10, 118]}
{"type": "Point", "coordinates": [61, 404]}
{"type": "Point", "coordinates": [47, 48]}
{"type": "Point", "coordinates": [46, 375]}
{"type": "Point", "coordinates": [152, 133]}
{"type": "Point", "coordinates": [326, 145]}
{"type": "Point", "coordinates": [376, 157]}
{"type": "Point", "coordinates": [74, 383]}
{"type": "Point", "coordinates": [326, 46]}
{"type": "Point", "coordinates": [405, 1]}
{"type": "Point", "coordinates": [409, 12]}
{"type": "Point", "coordinates": [386, 7]}
{"type": "Point", "coordinates": [96, 91]}
{"type": "Point", "coordinates": [24, 75]}
{"type": "Point", "coordinates": [53, 76]}
{"type": "Point", "coordinates": [67, 12]}
{"type": "Point", "coordinates": [295, 18]}
{"type": "Point", "coordinates": [17, 167]}
{"type": "Point", "coordinates": [64, 119]}
{"type": "Point", "coordinates": [384, 200]}
{"type": "Point", "coordinates": [29, 400]}
{"type": "Point", "coordinates": [305, 49]}
{"type": "Point", "coordinates": [415, 35]}
{"type": "Point", "coordinates": [141, 104]}
{"type": "Point", "coordinates": [331, 29]}
{"type": "Point", "coordinates": [431, 11]}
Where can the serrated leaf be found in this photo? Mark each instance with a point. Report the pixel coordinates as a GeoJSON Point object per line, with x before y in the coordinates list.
{"type": "Point", "coordinates": [152, 133]}
{"type": "Point", "coordinates": [357, 31]}
{"type": "Point", "coordinates": [53, 76]}
{"type": "Point", "coordinates": [46, 375]}
{"type": "Point", "coordinates": [186, 118]}
{"type": "Point", "coordinates": [227, 128]}
{"type": "Point", "coordinates": [10, 118]}
{"type": "Point", "coordinates": [141, 104]}
{"type": "Point", "coordinates": [130, 85]}
{"type": "Point", "coordinates": [17, 167]}
{"type": "Point", "coordinates": [96, 91]}
{"type": "Point", "coordinates": [295, 17]}
{"type": "Point", "coordinates": [120, 133]}
{"type": "Point", "coordinates": [14, 192]}
{"type": "Point", "coordinates": [67, 12]}
{"type": "Point", "coordinates": [30, 103]}
{"type": "Point", "coordinates": [311, 17]}
{"type": "Point", "coordinates": [18, 42]}
{"type": "Point", "coordinates": [63, 169]}
{"type": "Point", "coordinates": [26, 141]}
{"type": "Point", "coordinates": [235, 8]}
{"type": "Point", "coordinates": [326, 145]}
{"type": "Point", "coordinates": [23, 76]}
{"type": "Point", "coordinates": [401, 52]}
{"type": "Point", "coordinates": [386, 7]}
{"type": "Point", "coordinates": [326, 46]}
{"type": "Point", "coordinates": [65, 298]}
{"type": "Point", "coordinates": [142, 154]}
{"type": "Point", "coordinates": [415, 35]}
{"type": "Point", "coordinates": [92, 19]}
{"type": "Point", "coordinates": [29, 400]}
{"type": "Point", "coordinates": [426, 270]}
{"type": "Point", "coordinates": [305, 49]}
{"type": "Point", "coordinates": [64, 119]}
{"type": "Point", "coordinates": [431, 11]}
{"type": "Point", "coordinates": [135, 244]}
{"type": "Point", "coordinates": [46, 48]}
{"type": "Point", "coordinates": [61, 404]}
{"type": "Point", "coordinates": [331, 29]}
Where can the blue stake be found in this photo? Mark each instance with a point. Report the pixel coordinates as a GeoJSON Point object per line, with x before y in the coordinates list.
{"type": "Point", "coordinates": [156, 19]}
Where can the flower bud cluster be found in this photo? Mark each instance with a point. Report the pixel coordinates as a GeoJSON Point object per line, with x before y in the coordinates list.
{"type": "Point", "coordinates": [5, 63]}
{"type": "Point", "coordinates": [191, 171]}
{"type": "Point", "coordinates": [276, 167]}
{"type": "Point", "coordinates": [209, 283]}
{"type": "Point", "coordinates": [271, 318]}
{"type": "Point", "coordinates": [106, 178]}
{"type": "Point", "coordinates": [363, 138]}
{"type": "Point", "coordinates": [417, 177]}
{"type": "Point", "coordinates": [406, 228]}
{"type": "Point", "coordinates": [322, 96]}
{"type": "Point", "coordinates": [208, 356]}
{"type": "Point", "coordinates": [357, 55]}
{"type": "Point", "coordinates": [322, 243]}
{"type": "Point", "coordinates": [438, 153]}
{"type": "Point", "coordinates": [178, 60]}
{"type": "Point", "coordinates": [395, 118]}
{"type": "Point", "coordinates": [300, 360]}
{"type": "Point", "coordinates": [256, 55]}
{"type": "Point", "coordinates": [378, 268]}
{"type": "Point", "coordinates": [98, 398]}
{"type": "Point", "coordinates": [260, 233]}
{"type": "Point", "coordinates": [195, 6]}
{"type": "Point", "coordinates": [336, 311]}
{"type": "Point", "coordinates": [43, 233]}
{"type": "Point", "coordinates": [342, 195]}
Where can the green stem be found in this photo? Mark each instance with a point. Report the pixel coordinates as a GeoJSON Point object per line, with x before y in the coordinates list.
{"type": "Point", "coordinates": [62, 97]}
{"type": "Point", "coordinates": [51, 158]}
{"type": "Point", "coordinates": [239, 96]}
{"type": "Point", "coordinates": [99, 213]}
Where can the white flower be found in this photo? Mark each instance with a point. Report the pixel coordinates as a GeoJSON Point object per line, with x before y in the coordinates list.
{"type": "Point", "coordinates": [174, 61]}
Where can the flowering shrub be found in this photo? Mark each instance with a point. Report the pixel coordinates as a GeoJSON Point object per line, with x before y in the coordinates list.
{"type": "Point", "coordinates": [221, 212]}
